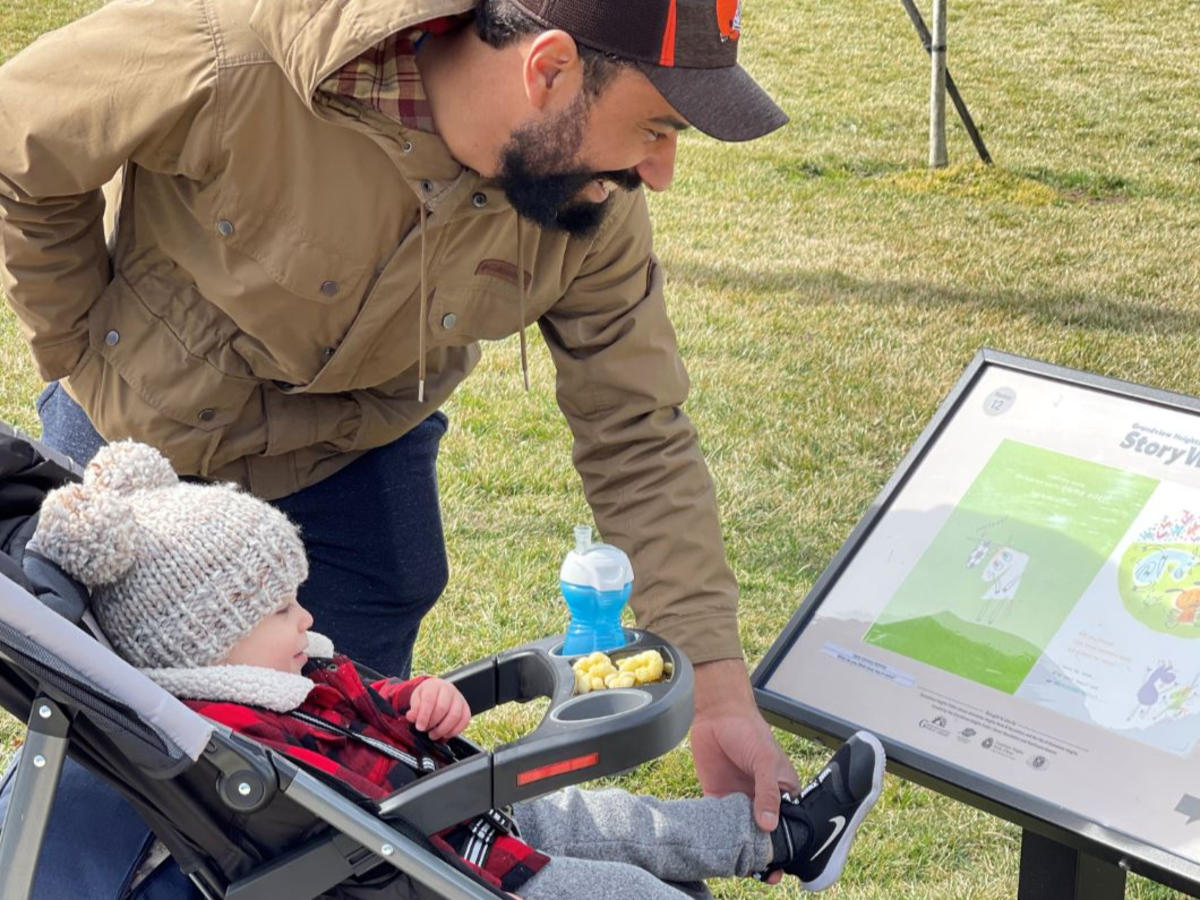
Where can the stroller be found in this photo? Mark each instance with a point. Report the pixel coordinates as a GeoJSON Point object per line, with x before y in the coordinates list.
{"type": "Point", "coordinates": [241, 821]}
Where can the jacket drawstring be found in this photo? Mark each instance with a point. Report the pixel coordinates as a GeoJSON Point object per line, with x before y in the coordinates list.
{"type": "Point", "coordinates": [521, 304]}
{"type": "Point", "coordinates": [424, 315]}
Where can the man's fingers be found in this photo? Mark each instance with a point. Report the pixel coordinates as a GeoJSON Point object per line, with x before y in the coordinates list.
{"type": "Point", "coordinates": [772, 774]}
{"type": "Point", "coordinates": [766, 797]}
{"type": "Point", "coordinates": [789, 778]}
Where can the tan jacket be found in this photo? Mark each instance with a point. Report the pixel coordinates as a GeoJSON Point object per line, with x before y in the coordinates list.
{"type": "Point", "coordinates": [257, 314]}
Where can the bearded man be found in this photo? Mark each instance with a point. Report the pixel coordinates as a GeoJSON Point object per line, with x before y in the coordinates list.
{"type": "Point", "coordinates": [320, 208]}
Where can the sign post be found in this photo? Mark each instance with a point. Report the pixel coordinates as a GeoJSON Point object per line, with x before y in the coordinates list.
{"type": "Point", "coordinates": [1054, 871]}
{"type": "Point", "coordinates": [937, 88]}
{"type": "Point", "coordinates": [960, 105]}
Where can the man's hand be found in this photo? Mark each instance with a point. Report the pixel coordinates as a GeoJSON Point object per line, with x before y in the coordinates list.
{"type": "Point", "coordinates": [732, 747]}
{"type": "Point", "coordinates": [438, 708]}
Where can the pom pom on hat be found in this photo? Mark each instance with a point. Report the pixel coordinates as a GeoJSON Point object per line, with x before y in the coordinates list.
{"type": "Point", "coordinates": [88, 528]}
{"type": "Point", "coordinates": [92, 535]}
{"type": "Point", "coordinates": [127, 466]}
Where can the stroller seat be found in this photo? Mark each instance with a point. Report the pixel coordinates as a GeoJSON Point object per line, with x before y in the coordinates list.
{"type": "Point", "coordinates": [244, 821]}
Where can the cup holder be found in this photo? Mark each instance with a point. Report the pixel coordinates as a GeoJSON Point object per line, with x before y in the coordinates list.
{"type": "Point", "coordinates": [632, 639]}
{"type": "Point", "coordinates": [601, 705]}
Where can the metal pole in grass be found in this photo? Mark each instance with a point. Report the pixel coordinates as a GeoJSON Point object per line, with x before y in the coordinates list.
{"type": "Point", "coordinates": [937, 88]}
{"type": "Point", "coordinates": [951, 87]}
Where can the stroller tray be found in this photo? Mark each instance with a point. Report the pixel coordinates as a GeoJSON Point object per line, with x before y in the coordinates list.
{"type": "Point", "coordinates": [579, 738]}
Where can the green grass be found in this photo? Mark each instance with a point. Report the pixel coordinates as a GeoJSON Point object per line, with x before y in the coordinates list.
{"type": "Point", "coordinates": [827, 291]}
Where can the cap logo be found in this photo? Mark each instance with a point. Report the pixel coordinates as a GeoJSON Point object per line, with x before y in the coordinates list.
{"type": "Point", "coordinates": [729, 19]}
{"type": "Point", "coordinates": [667, 56]}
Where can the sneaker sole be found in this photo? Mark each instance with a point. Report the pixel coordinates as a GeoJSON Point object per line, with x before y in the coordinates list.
{"type": "Point", "coordinates": [837, 861]}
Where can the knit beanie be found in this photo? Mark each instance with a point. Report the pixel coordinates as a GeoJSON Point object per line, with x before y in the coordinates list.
{"type": "Point", "coordinates": [179, 572]}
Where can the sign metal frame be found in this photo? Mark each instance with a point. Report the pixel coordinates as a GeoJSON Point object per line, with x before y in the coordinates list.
{"type": "Point", "coordinates": [1041, 817]}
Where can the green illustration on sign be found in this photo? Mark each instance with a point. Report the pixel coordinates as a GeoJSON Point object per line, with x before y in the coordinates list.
{"type": "Point", "coordinates": [1015, 555]}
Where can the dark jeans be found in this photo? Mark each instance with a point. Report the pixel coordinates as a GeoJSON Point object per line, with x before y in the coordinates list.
{"type": "Point", "coordinates": [373, 532]}
{"type": "Point", "coordinates": [377, 563]}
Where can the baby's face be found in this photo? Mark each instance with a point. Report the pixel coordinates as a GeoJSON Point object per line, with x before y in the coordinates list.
{"type": "Point", "coordinates": [277, 642]}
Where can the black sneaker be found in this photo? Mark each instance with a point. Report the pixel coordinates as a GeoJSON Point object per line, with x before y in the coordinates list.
{"type": "Point", "coordinates": [816, 829]}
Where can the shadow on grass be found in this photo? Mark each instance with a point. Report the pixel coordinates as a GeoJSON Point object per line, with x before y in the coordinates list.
{"type": "Point", "coordinates": [807, 287]}
{"type": "Point", "coordinates": [837, 169]}
{"type": "Point", "coordinates": [1082, 184]}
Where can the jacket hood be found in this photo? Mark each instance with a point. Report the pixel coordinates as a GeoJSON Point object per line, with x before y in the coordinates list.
{"type": "Point", "coordinates": [311, 39]}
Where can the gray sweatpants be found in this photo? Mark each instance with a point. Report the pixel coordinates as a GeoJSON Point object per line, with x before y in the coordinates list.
{"type": "Point", "coordinates": [615, 844]}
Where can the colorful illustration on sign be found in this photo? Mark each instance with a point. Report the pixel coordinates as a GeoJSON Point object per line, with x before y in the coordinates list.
{"type": "Point", "coordinates": [1159, 576]}
{"type": "Point", "coordinates": [1009, 564]}
{"type": "Point", "coordinates": [1151, 690]}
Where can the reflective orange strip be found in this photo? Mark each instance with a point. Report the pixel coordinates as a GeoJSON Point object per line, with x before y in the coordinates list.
{"type": "Point", "coordinates": [558, 768]}
{"type": "Point", "coordinates": [667, 57]}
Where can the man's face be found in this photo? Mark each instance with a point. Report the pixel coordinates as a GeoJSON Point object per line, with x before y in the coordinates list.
{"type": "Point", "coordinates": [559, 170]}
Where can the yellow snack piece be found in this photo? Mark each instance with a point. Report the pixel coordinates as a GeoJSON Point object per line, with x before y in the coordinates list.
{"type": "Point", "coordinates": [620, 680]}
{"type": "Point", "coordinates": [596, 671]}
{"type": "Point", "coordinates": [586, 683]}
{"type": "Point", "coordinates": [590, 672]}
{"type": "Point", "coordinates": [646, 667]}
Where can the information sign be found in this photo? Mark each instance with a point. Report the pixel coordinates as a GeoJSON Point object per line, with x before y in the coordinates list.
{"type": "Point", "coordinates": [1018, 615]}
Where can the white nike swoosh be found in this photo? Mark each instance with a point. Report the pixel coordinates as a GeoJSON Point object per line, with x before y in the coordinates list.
{"type": "Point", "coordinates": [839, 822]}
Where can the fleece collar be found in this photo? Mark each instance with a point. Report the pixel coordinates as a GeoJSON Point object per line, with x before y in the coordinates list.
{"type": "Point", "coordinates": [249, 685]}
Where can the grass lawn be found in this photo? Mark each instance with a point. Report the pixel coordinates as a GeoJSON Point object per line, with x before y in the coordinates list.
{"type": "Point", "coordinates": [827, 292]}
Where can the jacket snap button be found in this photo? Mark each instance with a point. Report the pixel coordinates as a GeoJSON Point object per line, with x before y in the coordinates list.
{"type": "Point", "coordinates": [479, 200]}
{"type": "Point", "coordinates": [327, 354]}
{"type": "Point", "coordinates": [207, 414]}
{"type": "Point", "coordinates": [406, 147]}
{"type": "Point", "coordinates": [329, 288]}
{"type": "Point", "coordinates": [225, 227]}
{"type": "Point", "coordinates": [427, 185]}
{"type": "Point", "coordinates": [449, 320]}
{"type": "Point", "coordinates": [112, 338]}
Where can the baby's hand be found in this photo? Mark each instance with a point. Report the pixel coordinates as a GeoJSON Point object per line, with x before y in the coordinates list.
{"type": "Point", "coordinates": [438, 708]}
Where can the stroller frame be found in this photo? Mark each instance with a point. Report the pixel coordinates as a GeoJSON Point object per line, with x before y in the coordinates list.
{"type": "Point", "coordinates": [326, 862]}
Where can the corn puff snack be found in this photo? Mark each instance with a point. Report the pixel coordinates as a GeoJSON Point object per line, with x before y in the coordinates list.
{"type": "Point", "coordinates": [590, 672]}
{"type": "Point", "coordinates": [596, 671]}
{"type": "Point", "coordinates": [646, 667]}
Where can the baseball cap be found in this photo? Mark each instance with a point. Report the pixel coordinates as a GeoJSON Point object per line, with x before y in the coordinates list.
{"type": "Point", "coordinates": [688, 50]}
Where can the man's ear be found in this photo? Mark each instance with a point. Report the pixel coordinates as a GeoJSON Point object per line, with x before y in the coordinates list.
{"type": "Point", "coordinates": [552, 68]}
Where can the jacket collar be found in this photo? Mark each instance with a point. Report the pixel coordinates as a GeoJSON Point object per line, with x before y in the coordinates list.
{"type": "Point", "coordinates": [311, 39]}
{"type": "Point", "coordinates": [248, 685]}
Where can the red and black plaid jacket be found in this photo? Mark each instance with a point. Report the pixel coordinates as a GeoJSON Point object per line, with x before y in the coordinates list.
{"type": "Point", "coordinates": [376, 711]}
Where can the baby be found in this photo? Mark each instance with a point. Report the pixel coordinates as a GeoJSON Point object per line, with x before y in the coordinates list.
{"type": "Point", "coordinates": [196, 585]}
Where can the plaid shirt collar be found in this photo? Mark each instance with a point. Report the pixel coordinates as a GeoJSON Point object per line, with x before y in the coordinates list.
{"type": "Point", "coordinates": [386, 77]}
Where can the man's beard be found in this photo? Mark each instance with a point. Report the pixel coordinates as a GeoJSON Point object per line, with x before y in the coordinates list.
{"type": "Point", "coordinates": [541, 179]}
